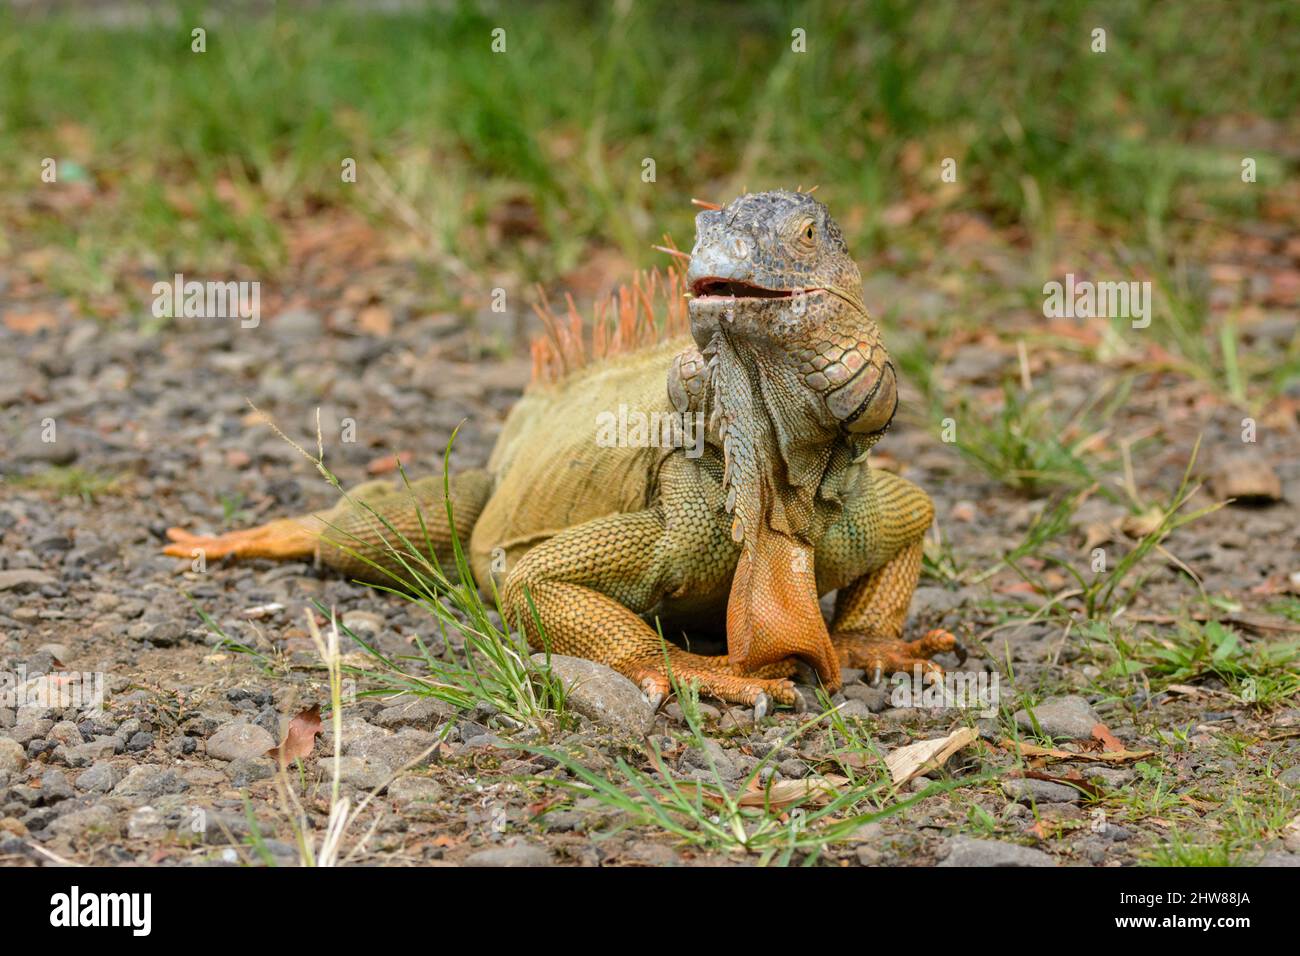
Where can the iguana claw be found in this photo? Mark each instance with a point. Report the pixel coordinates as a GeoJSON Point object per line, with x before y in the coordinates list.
{"type": "Point", "coordinates": [881, 656]}
{"type": "Point", "coordinates": [652, 694]}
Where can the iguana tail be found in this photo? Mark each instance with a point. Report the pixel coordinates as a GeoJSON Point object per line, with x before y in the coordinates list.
{"type": "Point", "coordinates": [373, 534]}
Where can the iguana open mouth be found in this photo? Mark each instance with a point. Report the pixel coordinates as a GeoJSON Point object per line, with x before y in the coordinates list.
{"type": "Point", "coordinates": [711, 287]}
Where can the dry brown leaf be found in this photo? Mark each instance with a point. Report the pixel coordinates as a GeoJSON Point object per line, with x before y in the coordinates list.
{"type": "Point", "coordinates": [925, 755]}
{"type": "Point", "coordinates": [779, 795]}
{"type": "Point", "coordinates": [29, 323]}
{"type": "Point", "coordinates": [1071, 779]}
{"type": "Point", "coordinates": [1139, 526]}
{"type": "Point", "coordinates": [387, 464]}
{"type": "Point", "coordinates": [1051, 753]}
{"type": "Point", "coordinates": [1109, 742]}
{"type": "Point", "coordinates": [1096, 534]}
{"type": "Point", "coordinates": [375, 320]}
{"type": "Point", "coordinates": [301, 739]}
{"type": "Point", "coordinates": [1247, 479]}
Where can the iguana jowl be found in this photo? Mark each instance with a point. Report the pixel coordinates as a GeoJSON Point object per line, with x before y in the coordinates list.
{"type": "Point", "coordinates": [789, 375]}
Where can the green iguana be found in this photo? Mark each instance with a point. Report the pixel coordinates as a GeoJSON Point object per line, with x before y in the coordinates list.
{"type": "Point", "coordinates": [787, 377]}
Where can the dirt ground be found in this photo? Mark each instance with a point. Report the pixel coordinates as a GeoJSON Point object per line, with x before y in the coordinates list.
{"type": "Point", "coordinates": [152, 428]}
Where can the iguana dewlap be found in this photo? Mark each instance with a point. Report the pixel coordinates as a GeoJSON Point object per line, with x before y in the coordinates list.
{"type": "Point", "coordinates": [744, 526]}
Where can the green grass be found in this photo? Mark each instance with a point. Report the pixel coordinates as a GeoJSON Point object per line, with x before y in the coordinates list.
{"type": "Point", "coordinates": [1259, 674]}
{"type": "Point", "coordinates": [70, 481]}
{"type": "Point", "coordinates": [710, 814]}
{"type": "Point", "coordinates": [497, 669]}
{"type": "Point", "coordinates": [1023, 445]}
{"type": "Point", "coordinates": [200, 158]}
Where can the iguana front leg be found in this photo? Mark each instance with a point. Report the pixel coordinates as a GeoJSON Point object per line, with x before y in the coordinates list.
{"type": "Point", "coordinates": [877, 547]}
{"type": "Point", "coordinates": [589, 585]}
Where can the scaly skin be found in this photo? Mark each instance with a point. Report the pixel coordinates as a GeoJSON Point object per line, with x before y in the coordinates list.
{"type": "Point", "coordinates": [792, 385]}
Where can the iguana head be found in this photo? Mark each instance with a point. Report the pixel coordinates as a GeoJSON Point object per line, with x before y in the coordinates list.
{"type": "Point", "coordinates": [797, 383]}
{"type": "Point", "coordinates": [771, 273]}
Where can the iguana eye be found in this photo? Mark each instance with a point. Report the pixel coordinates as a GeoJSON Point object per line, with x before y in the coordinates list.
{"type": "Point", "coordinates": [806, 237]}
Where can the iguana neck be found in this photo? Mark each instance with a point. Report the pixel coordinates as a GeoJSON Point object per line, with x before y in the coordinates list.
{"type": "Point", "coordinates": [780, 448]}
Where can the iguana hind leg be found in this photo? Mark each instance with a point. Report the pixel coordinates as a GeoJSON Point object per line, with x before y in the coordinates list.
{"type": "Point", "coordinates": [880, 538]}
{"type": "Point", "coordinates": [588, 587]}
{"type": "Point", "coordinates": [359, 535]}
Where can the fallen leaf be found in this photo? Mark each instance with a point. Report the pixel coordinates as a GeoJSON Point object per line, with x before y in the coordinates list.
{"type": "Point", "coordinates": [778, 796]}
{"type": "Point", "coordinates": [375, 320]}
{"type": "Point", "coordinates": [963, 511]}
{"type": "Point", "coordinates": [1109, 742]}
{"type": "Point", "coordinates": [1139, 526]}
{"type": "Point", "coordinates": [1052, 753]}
{"type": "Point", "coordinates": [1247, 479]}
{"type": "Point", "coordinates": [925, 755]}
{"type": "Point", "coordinates": [29, 323]}
{"type": "Point", "coordinates": [301, 739]}
{"type": "Point", "coordinates": [1071, 779]}
{"type": "Point", "coordinates": [387, 464]}
{"type": "Point", "coordinates": [1095, 535]}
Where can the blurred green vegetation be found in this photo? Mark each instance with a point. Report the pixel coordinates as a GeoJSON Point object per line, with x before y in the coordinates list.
{"type": "Point", "coordinates": [445, 131]}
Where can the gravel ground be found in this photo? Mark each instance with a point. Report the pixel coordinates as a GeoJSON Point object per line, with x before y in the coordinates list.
{"type": "Point", "coordinates": [153, 428]}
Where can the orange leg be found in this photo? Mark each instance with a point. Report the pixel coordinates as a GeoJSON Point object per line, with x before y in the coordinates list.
{"type": "Point", "coordinates": [282, 540]}
{"type": "Point", "coordinates": [869, 617]}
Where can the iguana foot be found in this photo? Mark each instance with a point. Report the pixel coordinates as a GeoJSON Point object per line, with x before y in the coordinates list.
{"type": "Point", "coordinates": [282, 540]}
{"type": "Point", "coordinates": [883, 656]}
{"type": "Point", "coordinates": [716, 677]}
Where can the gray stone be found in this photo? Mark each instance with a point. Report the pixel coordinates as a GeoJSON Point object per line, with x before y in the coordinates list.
{"type": "Point", "coordinates": [876, 699]}
{"type": "Point", "coordinates": [855, 709]}
{"type": "Point", "coordinates": [1039, 791]}
{"type": "Point", "coordinates": [1062, 717]}
{"type": "Point", "coordinates": [422, 713]}
{"type": "Point", "coordinates": [149, 782]}
{"type": "Point", "coordinates": [363, 623]}
{"type": "Point", "coordinates": [245, 771]}
{"type": "Point", "coordinates": [296, 325]}
{"type": "Point", "coordinates": [22, 580]}
{"type": "Point", "coordinates": [65, 732]}
{"type": "Point", "coordinates": [95, 821]}
{"type": "Point", "coordinates": [90, 752]}
{"type": "Point", "coordinates": [412, 789]}
{"type": "Point", "coordinates": [1279, 859]}
{"type": "Point", "coordinates": [362, 773]}
{"type": "Point", "coordinates": [1290, 777]}
{"type": "Point", "coordinates": [601, 694]}
{"type": "Point", "coordinates": [240, 740]}
{"type": "Point", "coordinates": [145, 823]}
{"type": "Point", "coordinates": [101, 778]}
{"type": "Point", "coordinates": [967, 851]}
{"type": "Point", "coordinates": [793, 769]}
{"type": "Point", "coordinates": [13, 755]}
{"type": "Point", "coordinates": [407, 746]}
{"type": "Point", "coordinates": [699, 757]}
{"type": "Point", "coordinates": [520, 855]}
{"type": "Point", "coordinates": [1111, 777]}
{"type": "Point", "coordinates": [55, 787]}
{"type": "Point", "coordinates": [25, 731]}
